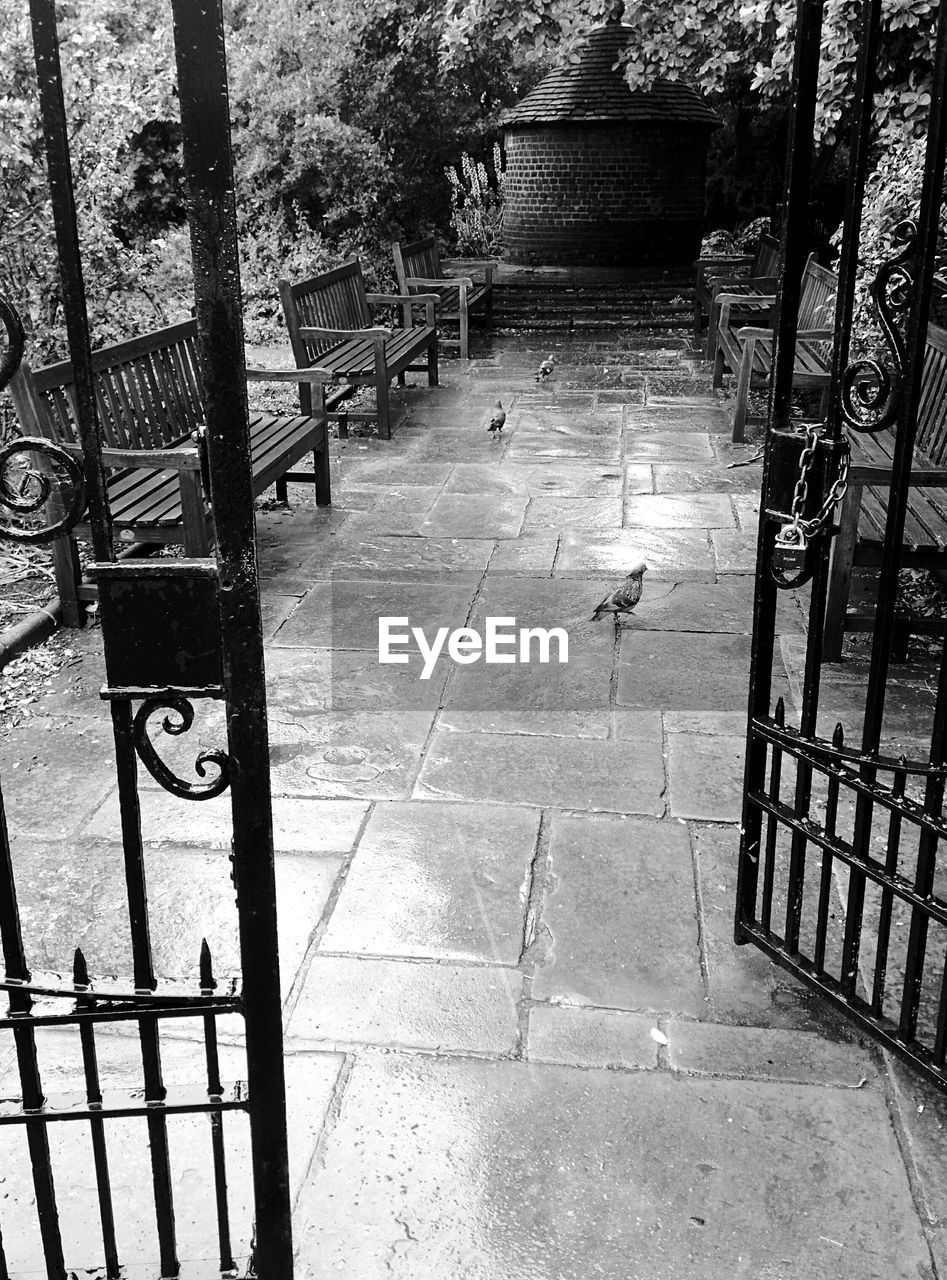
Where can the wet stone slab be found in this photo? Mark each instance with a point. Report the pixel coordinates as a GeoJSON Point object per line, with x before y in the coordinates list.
{"type": "Point", "coordinates": [695, 606]}
{"type": "Point", "coordinates": [191, 897]}
{"type": "Point", "coordinates": [591, 1037]}
{"type": "Point", "coordinates": [394, 557]}
{"type": "Point", "coordinates": [354, 1001]}
{"type": "Point", "coordinates": [684, 671]}
{"type": "Point", "coordinates": [707, 1048]}
{"type": "Point", "coordinates": [671, 553]}
{"type": "Point", "coordinates": [744, 985]}
{"type": "Point", "coordinates": [587, 514]}
{"type": "Point", "coordinates": [619, 916]}
{"type": "Point", "coordinates": [675, 417]}
{"type": "Point", "coordinates": [734, 550]}
{"type": "Point", "coordinates": [680, 511]}
{"type": "Point", "coordinates": [668, 1172]}
{"type": "Point", "coordinates": [533, 770]}
{"type": "Point", "coordinates": [306, 682]}
{"type": "Point", "coordinates": [533, 552]}
{"type": "Point", "coordinates": [668, 446]}
{"type": "Point", "coordinates": [299, 824]}
{"type": "Point", "coordinates": [577, 479]}
{"type": "Point", "coordinates": [443, 881]}
{"type": "Point", "coordinates": [347, 754]}
{"type": "Point", "coordinates": [677, 478]}
{"type": "Point", "coordinates": [344, 613]}
{"type": "Point", "coordinates": [475, 516]}
{"type": "Point", "coordinates": [705, 776]}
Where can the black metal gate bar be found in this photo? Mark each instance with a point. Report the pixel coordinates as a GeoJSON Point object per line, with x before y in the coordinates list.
{"type": "Point", "coordinates": [15, 965]}
{"type": "Point", "coordinates": [866, 396]}
{"type": "Point", "coordinates": [220, 656]}
{"type": "Point", "coordinates": [925, 246]}
{"type": "Point", "coordinates": [205, 122]}
{"type": "Point", "coordinates": [53, 112]}
{"type": "Point", "coordinates": [820, 550]}
{"type": "Point", "coordinates": [794, 249]}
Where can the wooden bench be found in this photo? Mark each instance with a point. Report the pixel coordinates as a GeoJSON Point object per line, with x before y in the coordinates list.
{"type": "Point", "coordinates": [863, 511]}
{"type": "Point", "coordinates": [419, 269]}
{"type": "Point", "coordinates": [747, 350]}
{"type": "Point", "coordinates": [150, 405]}
{"type": "Point", "coordinates": [330, 324]}
{"type": "Point", "coordinates": [753, 274]}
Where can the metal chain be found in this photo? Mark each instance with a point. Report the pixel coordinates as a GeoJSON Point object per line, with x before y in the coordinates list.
{"type": "Point", "coordinates": [808, 528]}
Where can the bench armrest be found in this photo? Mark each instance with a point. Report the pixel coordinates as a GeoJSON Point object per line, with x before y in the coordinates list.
{"type": "Point", "coordinates": [815, 335]}
{"type": "Point", "coordinates": [406, 301]}
{"type": "Point", "coordinates": [309, 374]}
{"type": "Point", "coordinates": [382, 298]}
{"type": "Point", "coordinates": [725, 260]}
{"type": "Point", "coordinates": [181, 458]}
{"type": "Point", "coordinates": [751, 302]}
{"type": "Point", "coordinates": [445, 282]}
{"type": "Point", "coordinates": [368, 332]}
{"type": "Point", "coordinates": [869, 473]}
{"type": "Point", "coordinates": [753, 332]}
{"type": "Point", "coordinates": [486, 265]}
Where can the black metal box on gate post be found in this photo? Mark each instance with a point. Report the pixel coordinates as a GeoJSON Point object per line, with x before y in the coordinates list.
{"type": "Point", "coordinates": [160, 624]}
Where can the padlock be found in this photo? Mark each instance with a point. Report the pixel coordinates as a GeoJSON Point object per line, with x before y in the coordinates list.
{"type": "Point", "coordinates": [789, 551]}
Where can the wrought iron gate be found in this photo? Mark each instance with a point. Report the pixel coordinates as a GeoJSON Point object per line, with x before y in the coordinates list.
{"type": "Point", "coordinates": [156, 671]}
{"type": "Point", "coordinates": [822, 817]}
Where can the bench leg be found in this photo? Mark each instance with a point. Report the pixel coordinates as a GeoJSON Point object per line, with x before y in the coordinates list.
{"type": "Point", "coordinates": [711, 331]}
{"type": "Point", "coordinates": [432, 363]}
{"type": "Point", "coordinates": [401, 379]}
{"type": "Point", "coordinates": [743, 391]}
{"type": "Point", "coordinates": [840, 574]}
{"type": "Point", "coordinates": [383, 406]}
{"type": "Point", "coordinates": [698, 322]}
{"type": "Point", "coordinates": [320, 465]}
{"type": "Point", "coordinates": [282, 490]}
{"type": "Point", "coordinates": [464, 316]}
{"type": "Point", "coordinates": [65, 555]}
{"type": "Point", "coordinates": [718, 365]}
{"type": "Point", "coordinates": [488, 311]}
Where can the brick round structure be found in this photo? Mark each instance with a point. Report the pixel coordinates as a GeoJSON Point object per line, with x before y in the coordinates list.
{"type": "Point", "coordinates": [596, 174]}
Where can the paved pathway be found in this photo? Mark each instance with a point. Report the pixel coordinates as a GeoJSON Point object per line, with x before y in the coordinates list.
{"type": "Point", "coordinates": [521, 1043]}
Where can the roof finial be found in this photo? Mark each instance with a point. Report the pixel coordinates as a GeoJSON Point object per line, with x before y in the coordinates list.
{"type": "Point", "coordinates": [615, 14]}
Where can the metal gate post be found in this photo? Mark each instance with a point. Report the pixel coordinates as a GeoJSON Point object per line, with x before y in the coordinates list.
{"type": "Point", "coordinates": [795, 214]}
{"type": "Point", "coordinates": [205, 122]}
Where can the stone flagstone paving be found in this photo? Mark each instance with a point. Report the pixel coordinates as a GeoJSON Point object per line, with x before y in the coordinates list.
{"type": "Point", "coordinates": [521, 1043]}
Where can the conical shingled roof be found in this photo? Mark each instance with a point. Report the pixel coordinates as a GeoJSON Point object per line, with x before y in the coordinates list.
{"type": "Point", "coordinates": [591, 90]}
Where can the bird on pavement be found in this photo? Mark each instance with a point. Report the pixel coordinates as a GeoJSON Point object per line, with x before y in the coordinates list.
{"type": "Point", "coordinates": [497, 421]}
{"type": "Point", "coordinates": [624, 598]}
{"type": "Point", "coordinates": [546, 368]}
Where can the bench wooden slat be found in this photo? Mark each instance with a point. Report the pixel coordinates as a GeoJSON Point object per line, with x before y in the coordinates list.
{"type": "Point", "coordinates": [421, 260]}
{"type": "Point", "coordinates": [337, 300]}
{"type": "Point", "coordinates": [750, 356]}
{"type": "Point", "coordinates": [720, 275]}
{"type": "Point", "coordinates": [149, 397]}
{"type": "Point", "coordinates": [864, 511]}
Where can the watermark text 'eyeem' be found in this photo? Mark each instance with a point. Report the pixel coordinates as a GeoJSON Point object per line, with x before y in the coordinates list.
{"type": "Point", "coordinates": [501, 643]}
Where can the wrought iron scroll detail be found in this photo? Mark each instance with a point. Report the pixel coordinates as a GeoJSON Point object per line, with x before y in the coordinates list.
{"type": "Point", "coordinates": [870, 390]}
{"type": "Point", "coordinates": [24, 490]}
{"type": "Point", "coordinates": [10, 319]}
{"type": "Point", "coordinates": [157, 767]}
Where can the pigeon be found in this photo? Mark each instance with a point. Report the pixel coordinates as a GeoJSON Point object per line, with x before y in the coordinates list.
{"type": "Point", "coordinates": [624, 598]}
{"type": "Point", "coordinates": [546, 368]}
{"type": "Point", "coordinates": [497, 421]}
